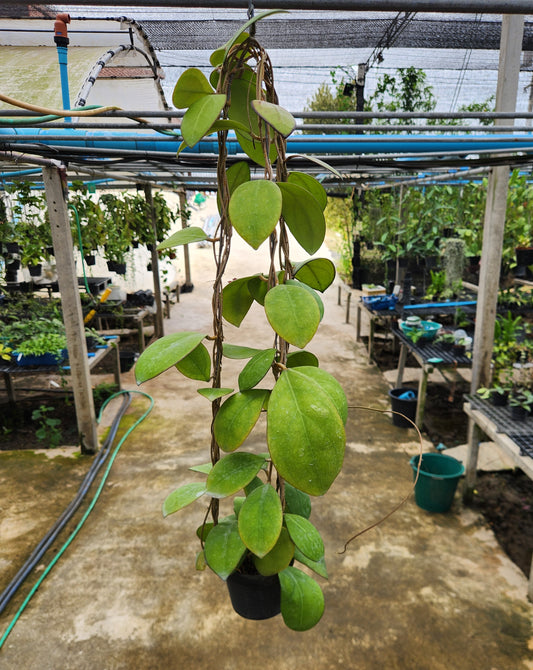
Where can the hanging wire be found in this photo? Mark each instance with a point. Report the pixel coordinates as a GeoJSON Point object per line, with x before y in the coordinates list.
{"type": "Point", "coordinates": [251, 16]}
{"type": "Point", "coordinates": [462, 71]}
{"type": "Point", "coordinates": [398, 24]}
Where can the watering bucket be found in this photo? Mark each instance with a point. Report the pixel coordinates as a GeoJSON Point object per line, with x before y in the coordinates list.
{"type": "Point", "coordinates": [403, 400]}
{"type": "Point", "coordinates": [437, 481]}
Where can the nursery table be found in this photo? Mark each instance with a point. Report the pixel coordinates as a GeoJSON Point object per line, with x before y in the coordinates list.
{"type": "Point", "coordinates": [515, 438]}
{"type": "Point", "coordinates": [426, 356]}
{"type": "Point", "coordinates": [9, 369]}
{"type": "Point", "coordinates": [385, 316]}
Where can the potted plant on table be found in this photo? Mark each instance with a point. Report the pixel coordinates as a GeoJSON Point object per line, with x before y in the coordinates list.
{"type": "Point", "coordinates": [259, 503]}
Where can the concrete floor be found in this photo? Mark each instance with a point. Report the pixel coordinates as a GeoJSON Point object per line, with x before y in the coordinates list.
{"type": "Point", "coordinates": [421, 591]}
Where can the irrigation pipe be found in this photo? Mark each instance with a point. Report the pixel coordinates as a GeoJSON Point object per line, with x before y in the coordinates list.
{"type": "Point", "coordinates": [80, 524]}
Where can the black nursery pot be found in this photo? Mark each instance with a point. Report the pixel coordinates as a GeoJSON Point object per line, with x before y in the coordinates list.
{"type": "Point", "coordinates": [255, 596]}
{"type": "Point", "coordinates": [90, 259]}
{"type": "Point", "coordinates": [35, 270]}
{"type": "Point", "coordinates": [518, 413]}
{"type": "Point", "coordinates": [499, 399]}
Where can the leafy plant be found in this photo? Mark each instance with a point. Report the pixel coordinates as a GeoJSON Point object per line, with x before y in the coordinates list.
{"type": "Point", "coordinates": [49, 430]}
{"type": "Point", "coordinates": [268, 527]}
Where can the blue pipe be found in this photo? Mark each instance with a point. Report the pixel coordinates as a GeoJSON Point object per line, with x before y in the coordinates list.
{"type": "Point", "coordinates": [311, 144]}
{"type": "Point", "coordinates": [63, 72]}
{"type": "Point", "coordinates": [436, 305]}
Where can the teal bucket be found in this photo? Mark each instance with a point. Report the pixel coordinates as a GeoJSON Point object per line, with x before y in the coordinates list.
{"type": "Point", "coordinates": [437, 481]}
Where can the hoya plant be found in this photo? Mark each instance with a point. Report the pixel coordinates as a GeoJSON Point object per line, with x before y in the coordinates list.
{"type": "Point", "coordinates": [259, 504]}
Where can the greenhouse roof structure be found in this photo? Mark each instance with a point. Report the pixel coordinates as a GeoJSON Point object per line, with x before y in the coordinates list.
{"type": "Point", "coordinates": [131, 56]}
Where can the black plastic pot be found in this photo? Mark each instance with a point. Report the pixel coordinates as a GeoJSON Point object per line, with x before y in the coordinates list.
{"type": "Point", "coordinates": [35, 270]}
{"type": "Point", "coordinates": [89, 260]}
{"type": "Point", "coordinates": [524, 258]}
{"type": "Point", "coordinates": [518, 413]}
{"type": "Point", "coordinates": [406, 406]}
{"type": "Point", "coordinates": [499, 399]}
{"type": "Point", "coordinates": [12, 247]}
{"type": "Point", "coordinates": [127, 360]}
{"type": "Point", "coordinates": [254, 596]}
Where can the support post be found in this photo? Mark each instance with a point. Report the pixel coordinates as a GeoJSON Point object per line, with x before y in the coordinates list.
{"type": "Point", "coordinates": [55, 183]}
{"type": "Point", "coordinates": [159, 330]}
{"type": "Point", "coordinates": [495, 210]}
{"type": "Point", "coordinates": [186, 259]}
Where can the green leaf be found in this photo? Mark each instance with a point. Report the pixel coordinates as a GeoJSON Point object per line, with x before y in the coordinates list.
{"type": "Point", "coordinates": [204, 468]}
{"type": "Point", "coordinates": [190, 87]}
{"type": "Point", "coordinates": [182, 497]}
{"type": "Point", "coordinates": [318, 273]}
{"type": "Point", "coordinates": [227, 124]}
{"type": "Point", "coordinates": [200, 563]}
{"type": "Point", "coordinates": [236, 174]}
{"type": "Point", "coordinates": [217, 57]}
{"type": "Point", "coordinates": [302, 600]}
{"type": "Point", "coordinates": [256, 369]}
{"type": "Point", "coordinates": [277, 117]}
{"type": "Point", "coordinates": [238, 352]}
{"type": "Point", "coordinates": [317, 566]}
{"type": "Point", "coordinates": [298, 358]}
{"type": "Point", "coordinates": [258, 287]}
{"type": "Point", "coordinates": [293, 313]}
{"type": "Point", "coordinates": [254, 484]}
{"type": "Point", "coordinates": [224, 548]}
{"type": "Point", "coordinates": [232, 473]}
{"type": "Point", "coordinates": [237, 416]}
{"type": "Point", "coordinates": [165, 353]}
{"type": "Point", "coordinates": [296, 501]}
{"type": "Point", "coordinates": [260, 520]}
{"type": "Point", "coordinates": [183, 236]}
{"type": "Point", "coordinates": [203, 531]}
{"type": "Point", "coordinates": [305, 536]}
{"type": "Point", "coordinates": [236, 38]}
{"type": "Point", "coordinates": [329, 385]}
{"type": "Point", "coordinates": [304, 216]}
{"type": "Point", "coordinates": [236, 301]}
{"type": "Point", "coordinates": [237, 504]}
{"type": "Point", "coordinates": [311, 185]}
{"type": "Point", "coordinates": [305, 433]}
{"type": "Point", "coordinates": [317, 161]}
{"type": "Point", "coordinates": [278, 558]}
{"type": "Point", "coordinates": [200, 116]}
{"type": "Point", "coordinates": [316, 297]}
{"type": "Point", "coordinates": [214, 393]}
{"type": "Point", "coordinates": [254, 210]}
{"type": "Point", "coordinates": [197, 364]}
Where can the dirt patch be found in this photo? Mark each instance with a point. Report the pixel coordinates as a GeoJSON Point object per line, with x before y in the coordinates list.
{"type": "Point", "coordinates": [506, 501]}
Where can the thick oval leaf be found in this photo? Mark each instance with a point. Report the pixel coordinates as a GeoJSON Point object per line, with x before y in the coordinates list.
{"type": "Point", "coordinates": [310, 184]}
{"type": "Point", "coordinates": [318, 273]}
{"type": "Point", "coordinates": [317, 298]}
{"type": "Point", "coordinates": [237, 352]}
{"type": "Point", "coordinates": [260, 520]}
{"type": "Point", "coordinates": [254, 484]}
{"type": "Point", "coordinates": [254, 210]}
{"type": "Point", "coordinates": [317, 566]}
{"type": "Point", "coordinates": [305, 536]}
{"type": "Point", "coordinates": [197, 364]}
{"type": "Point", "coordinates": [184, 236]}
{"type": "Point", "coordinates": [224, 548]}
{"type": "Point", "coordinates": [232, 473]}
{"type": "Point", "coordinates": [243, 91]}
{"type": "Point", "coordinates": [205, 468]}
{"type": "Point", "coordinates": [200, 116]}
{"type": "Point", "coordinates": [303, 216]}
{"type": "Point", "coordinates": [217, 57]}
{"type": "Point", "coordinates": [293, 313]}
{"type": "Point", "coordinates": [298, 358]}
{"type": "Point", "coordinates": [182, 497]}
{"type": "Point", "coordinates": [329, 385]}
{"type": "Point", "coordinates": [190, 87]}
{"type": "Point", "coordinates": [277, 117]}
{"type": "Point", "coordinates": [256, 369]}
{"type": "Point", "coordinates": [305, 433]}
{"type": "Point", "coordinates": [236, 174]}
{"type": "Point", "coordinates": [236, 301]}
{"type": "Point", "coordinates": [165, 353]}
{"type": "Point", "coordinates": [258, 287]}
{"type": "Point", "coordinates": [317, 161]}
{"type": "Point", "coordinates": [200, 563]}
{"type": "Point", "coordinates": [214, 393]}
{"type": "Point", "coordinates": [302, 600]}
{"type": "Point", "coordinates": [278, 558]}
{"type": "Point", "coordinates": [203, 531]}
{"type": "Point", "coordinates": [296, 501]}
{"type": "Point", "coordinates": [236, 418]}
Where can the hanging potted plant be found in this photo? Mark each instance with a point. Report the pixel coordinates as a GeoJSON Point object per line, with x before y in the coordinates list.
{"type": "Point", "coordinates": [258, 504]}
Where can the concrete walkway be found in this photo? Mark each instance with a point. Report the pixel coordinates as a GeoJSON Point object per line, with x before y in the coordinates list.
{"type": "Point", "coordinates": [420, 592]}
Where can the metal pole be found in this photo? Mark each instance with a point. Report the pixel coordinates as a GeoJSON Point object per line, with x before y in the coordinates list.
{"type": "Point", "coordinates": [455, 6]}
{"type": "Point", "coordinates": [55, 183]}
{"type": "Point", "coordinates": [158, 326]}
{"type": "Point", "coordinates": [495, 210]}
